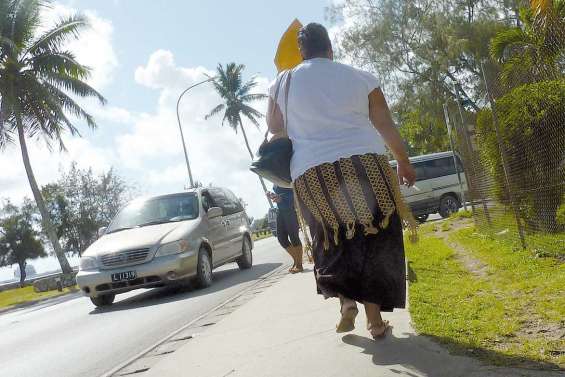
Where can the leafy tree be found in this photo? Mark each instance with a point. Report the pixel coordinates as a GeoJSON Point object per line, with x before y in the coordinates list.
{"type": "Point", "coordinates": [531, 129]}
{"type": "Point", "coordinates": [535, 50]}
{"type": "Point", "coordinates": [19, 241]}
{"type": "Point", "coordinates": [236, 96]}
{"type": "Point", "coordinates": [426, 53]}
{"type": "Point", "coordinates": [36, 75]}
{"type": "Point", "coordinates": [80, 203]}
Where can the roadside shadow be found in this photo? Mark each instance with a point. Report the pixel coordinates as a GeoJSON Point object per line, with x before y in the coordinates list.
{"type": "Point", "coordinates": [412, 277]}
{"type": "Point", "coordinates": [424, 356]}
{"type": "Point", "coordinates": [223, 279]}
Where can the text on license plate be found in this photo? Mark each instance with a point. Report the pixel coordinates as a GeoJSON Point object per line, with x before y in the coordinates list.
{"type": "Point", "coordinates": [121, 276]}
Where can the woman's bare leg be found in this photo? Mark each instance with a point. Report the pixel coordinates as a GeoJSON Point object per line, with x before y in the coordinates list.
{"type": "Point", "coordinates": [375, 324]}
{"type": "Point", "coordinates": [348, 313]}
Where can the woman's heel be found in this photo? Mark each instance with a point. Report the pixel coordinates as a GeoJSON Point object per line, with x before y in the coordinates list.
{"type": "Point", "coordinates": [378, 331]}
{"type": "Point", "coordinates": [349, 312]}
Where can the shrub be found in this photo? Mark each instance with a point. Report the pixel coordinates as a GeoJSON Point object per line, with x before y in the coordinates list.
{"type": "Point", "coordinates": [560, 214]}
{"type": "Point", "coordinates": [532, 132]}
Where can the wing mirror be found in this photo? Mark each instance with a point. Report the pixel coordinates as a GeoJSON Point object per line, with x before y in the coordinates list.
{"type": "Point", "coordinates": [215, 212]}
{"type": "Point", "coordinates": [102, 231]}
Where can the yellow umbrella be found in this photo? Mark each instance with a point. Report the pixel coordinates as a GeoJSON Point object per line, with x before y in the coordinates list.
{"type": "Point", "coordinates": [288, 54]}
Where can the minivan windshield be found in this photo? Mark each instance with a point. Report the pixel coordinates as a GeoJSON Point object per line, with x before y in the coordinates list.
{"type": "Point", "coordinates": [158, 210]}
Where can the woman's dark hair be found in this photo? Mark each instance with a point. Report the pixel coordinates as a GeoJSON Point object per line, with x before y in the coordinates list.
{"type": "Point", "coordinates": [314, 41]}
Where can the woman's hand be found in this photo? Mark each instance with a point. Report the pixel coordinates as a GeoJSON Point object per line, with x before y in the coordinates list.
{"type": "Point", "coordinates": [406, 173]}
{"type": "Point", "coordinates": [379, 114]}
{"type": "Point", "coordinates": [274, 197]}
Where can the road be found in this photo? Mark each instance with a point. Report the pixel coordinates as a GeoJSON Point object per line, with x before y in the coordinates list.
{"type": "Point", "coordinates": [70, 338]}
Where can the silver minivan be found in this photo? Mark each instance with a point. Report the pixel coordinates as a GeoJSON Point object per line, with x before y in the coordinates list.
{"type": "Point", "coordinates": [440, 185]}
{"type": "Point", "coordinates": [166, 239]}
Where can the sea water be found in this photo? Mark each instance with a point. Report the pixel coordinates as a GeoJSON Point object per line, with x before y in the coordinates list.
{"type": "Point", "coordinates": [42, 266]}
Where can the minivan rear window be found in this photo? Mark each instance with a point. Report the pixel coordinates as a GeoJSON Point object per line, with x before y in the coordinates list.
{"type": "Point", "coordinates": [435, 168]}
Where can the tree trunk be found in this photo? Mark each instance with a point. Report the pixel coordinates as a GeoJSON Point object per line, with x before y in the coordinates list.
{"type": "Point", "coordinates": [45, 220]}
{"type": "Point", "coordinates": [22, 273]}
{"type": "Point", "coordinates": [251, 155]}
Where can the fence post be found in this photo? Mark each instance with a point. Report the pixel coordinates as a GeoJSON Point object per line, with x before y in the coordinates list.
{"type": "Point", "coordinates": [446, 115]}
{"type": "Point", "coordinates": [469, 152]}
{"type": "Point", "coordinates": [503, 157]}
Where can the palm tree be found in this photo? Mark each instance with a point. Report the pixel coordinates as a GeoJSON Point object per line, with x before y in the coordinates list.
{"type": "Point", "coordinates": [534, 51]}
{"type": "Point", "coordinates": [236, 96]}
{"type": "Point", "coordinates": [36, 73]}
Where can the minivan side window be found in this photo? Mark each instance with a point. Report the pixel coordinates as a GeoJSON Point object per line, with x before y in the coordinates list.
{"type": "Point", "coordinates": [439, 167]}
{"type": "Point", "coordinates": [233, 202]}
{"type": "Point", "coordinates": [420, 171]}
{"type": "Point", "coordinates": [220, 200]}
{"type": "Point", "coordinates": [206, 201]}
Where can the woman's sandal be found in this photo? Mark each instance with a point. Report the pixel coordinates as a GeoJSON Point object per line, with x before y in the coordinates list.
{"type": "Point", "coordinates": [347, 321]}
{"type": "Point", "coordinates": [380, 331]}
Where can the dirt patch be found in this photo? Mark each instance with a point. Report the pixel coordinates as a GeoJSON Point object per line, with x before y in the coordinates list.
{"type": "Point", "coordinates": [536, 328]}
{"type": "Point", "coordinates": [471, 264]}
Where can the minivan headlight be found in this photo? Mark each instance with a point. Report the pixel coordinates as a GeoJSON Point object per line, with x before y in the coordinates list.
{"type": "Point", "coordinates": [171, 248]}
{"type": "Point", "coordinates": [88, 264]}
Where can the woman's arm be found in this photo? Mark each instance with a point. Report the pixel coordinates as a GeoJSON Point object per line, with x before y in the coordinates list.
{"type": "Point", "coordinates": [379, 114]}
{"type": "Point", "coordinates": [275, 121]}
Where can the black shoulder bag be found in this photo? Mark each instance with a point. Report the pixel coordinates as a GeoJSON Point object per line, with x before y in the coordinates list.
{"type": "Point", "coordinates": [273, 157]}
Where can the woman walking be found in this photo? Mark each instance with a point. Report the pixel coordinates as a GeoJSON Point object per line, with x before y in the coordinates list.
{"type": "Point", "coordinates": [287, 226]}
{"type": "Point", "coordinates": [347, 193]}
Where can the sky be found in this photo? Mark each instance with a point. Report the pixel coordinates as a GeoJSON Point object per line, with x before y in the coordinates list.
{"type": "Point", "coordinates": [143, 54]}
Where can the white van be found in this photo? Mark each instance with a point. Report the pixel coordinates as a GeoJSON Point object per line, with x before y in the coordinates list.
{"type": "Point", "coordinates": [437, 188]}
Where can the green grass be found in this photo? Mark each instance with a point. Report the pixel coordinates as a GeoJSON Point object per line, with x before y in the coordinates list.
{"type": "Point", "coordinates": [17, 296]}
{"type": "Point", "coordinates": [462, 215]}
{"type": "Point", "coordinates": [488, 314]}
{"type": "Point", "coordinates": [261, 235]}
{"type": "Point", "coordinates": [503, 227]}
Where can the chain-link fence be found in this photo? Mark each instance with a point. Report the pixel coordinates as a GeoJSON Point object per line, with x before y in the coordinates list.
{"type": "Point", "coordinates": [513, 149]}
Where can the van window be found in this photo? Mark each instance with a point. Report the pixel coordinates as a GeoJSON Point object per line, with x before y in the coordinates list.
{"type": "Point", "coordinates": [207, 202]}
{"type": "Point", "coordinates": [220, 200]}
{"type": "Point", "coordinates": [233, 202]}
{"type": "Point", "coordinates": [439, 167]}
{"type": "Point", "coordinates": [420, 171]}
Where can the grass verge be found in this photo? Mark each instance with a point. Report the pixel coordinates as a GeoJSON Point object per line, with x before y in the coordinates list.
{"type": "Point", "coordinates": [513, 315]}
{"type": "Point", "coordinates": [19, 296]}
{"type": "Point", "coordinates": [262, 235]}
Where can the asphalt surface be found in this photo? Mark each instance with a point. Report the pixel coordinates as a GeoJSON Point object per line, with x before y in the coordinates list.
{"type": "Point", "coordinates": [69, 337]}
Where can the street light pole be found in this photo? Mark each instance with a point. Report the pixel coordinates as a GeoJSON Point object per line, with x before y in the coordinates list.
{"type": "Point", "coordinates": [180, 127]}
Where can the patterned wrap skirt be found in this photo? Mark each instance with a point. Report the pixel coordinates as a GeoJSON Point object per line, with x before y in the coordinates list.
{"type": "Point", "coordinates": [355, 213]}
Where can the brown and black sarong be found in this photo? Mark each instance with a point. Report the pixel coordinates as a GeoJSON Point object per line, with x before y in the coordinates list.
{"type": "Point", "coordinates": [355, 213]}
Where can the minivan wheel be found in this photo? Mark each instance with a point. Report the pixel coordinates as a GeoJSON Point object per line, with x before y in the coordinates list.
{"type": "Point", "coordinates": [422, 218]}
{"type": "Point", "coordinates": [246, 260]}
{"type": "Point", "coordinates": [103, 300]}
{"type": "Point", "coordinates": [448, 205]}
{"type": "Point", "coordinates": [204, 269]}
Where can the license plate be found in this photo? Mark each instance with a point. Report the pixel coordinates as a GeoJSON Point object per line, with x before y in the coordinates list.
{"type": "Point", "coordinates": [122, 276]}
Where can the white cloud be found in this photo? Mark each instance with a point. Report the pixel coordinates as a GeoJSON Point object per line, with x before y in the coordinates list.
{"type": "Point", "coordinates": [217, 154]}
{"type": "Point", "coordinates": [47, 164]}
{"type": "Point", "coordinates": [96, 51]}
{"type": "Point", "coordinates": [110, 113]}
{"type": "Point", "coordinates": [147, 149]}
{"type": "Point", "coordinates": [94, 48]}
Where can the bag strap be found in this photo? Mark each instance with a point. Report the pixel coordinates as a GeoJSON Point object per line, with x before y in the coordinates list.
{"type": "Point", "coordinates": [287, 89]}
{"type": "Point", "coordinates": [286, 78]}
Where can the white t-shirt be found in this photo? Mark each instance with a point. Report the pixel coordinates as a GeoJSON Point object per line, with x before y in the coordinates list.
{"type": "Point", "coordinates": [328, 113]}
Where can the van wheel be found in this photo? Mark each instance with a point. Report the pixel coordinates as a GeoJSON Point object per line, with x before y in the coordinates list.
{"type": "Point", "coordinates": [246, 260]}
{"type": "Point", "coordinates": [448, 205]}
{"type": "Point", "coordinates": [204, 269]}
{"type": "Point", "coordinates": [422, 218]}
{"type": "Point", "coordinates": [103, 300]}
